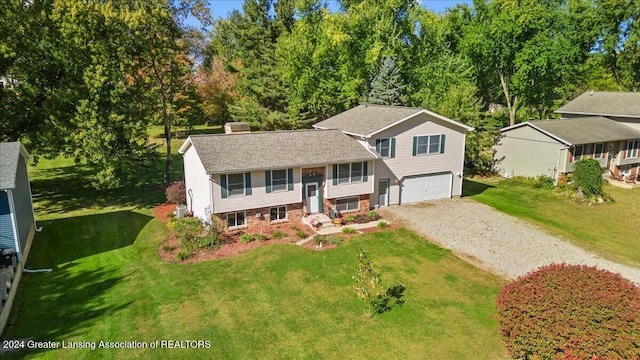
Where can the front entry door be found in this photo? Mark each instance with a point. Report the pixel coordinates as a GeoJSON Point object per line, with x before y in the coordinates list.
{"type": "Point", "coordinates": [311, 194]}
{"type": "Point", "coordinates": [383, 193]}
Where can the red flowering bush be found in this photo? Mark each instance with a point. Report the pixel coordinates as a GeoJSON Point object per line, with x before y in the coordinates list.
{"type": "Point", "coordinates": [176, 193]}
{"type": "Point", "coordinates": [570, 312]}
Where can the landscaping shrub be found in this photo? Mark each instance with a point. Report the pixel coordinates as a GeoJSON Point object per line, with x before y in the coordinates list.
{"type": "Point", "coordinates": [348, 230]}
{"type": "Point", "coordinates": [350, 218]}
{"type": "Point", "coordinates": [177, 193]}
{"type": "Point", "coordinates": [193, 235]}
{"type": "Point", "coordinates": [246, 238]}
{"type": "Point", "coordinates": [300, 234]}
{"type": "Point", "coordinates": [278, 234]}
{"type": "Point", "coordinates": [383, 225]}
{"type": "Point", "coordinates": [328, 239]}
{"type": "Point", "coordinates": [543, 181]}
{"type": "Point", "coordinates": [334, 239]}
{"type": "Point", "coordinates": [183, 255]}
{"type": "Point", "coordinates": [362, 219]}
{"type": "Point", "coordinates": [373, 216]}
{"type": "Point", "coordinates": [572, 312]}
{"type": "Point", "coordinates": [261, 237]}
{"type": "Point", "coordinates": [587, 175]}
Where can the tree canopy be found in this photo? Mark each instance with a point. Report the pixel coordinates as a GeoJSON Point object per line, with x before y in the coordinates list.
{"type": "Point", "coordinates": [87, 79]}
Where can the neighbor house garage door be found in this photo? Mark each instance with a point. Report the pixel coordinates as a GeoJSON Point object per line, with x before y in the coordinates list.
{"type": "Point", "coordinates": [426, 187]}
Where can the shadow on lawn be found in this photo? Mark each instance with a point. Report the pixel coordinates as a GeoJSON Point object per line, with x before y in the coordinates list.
{"type": "Point", "coordinates": [62, 304]}
{"type": "Point", "coordinates": [65, 189]}
{"type": "Point", "coordinates": [471, 188]}
{"type": "Point", "coordinates": [68, 239]}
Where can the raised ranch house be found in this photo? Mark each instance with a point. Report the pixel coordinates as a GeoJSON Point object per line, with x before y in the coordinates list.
{"type": "Point", "coordinates": [17, 222]}
{"type": "Point", "coordinates": [369, 156]}
{"type": "Point", "coordinates": [600, 125]}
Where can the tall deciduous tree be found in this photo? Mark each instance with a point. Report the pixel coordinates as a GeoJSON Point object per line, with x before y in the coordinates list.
{"type": "Point", "coordinates": [619, 40]}
{"type": "Point", "coordinates": [90, 77]}
{"type": "Point", "coordinates": [528, 48]}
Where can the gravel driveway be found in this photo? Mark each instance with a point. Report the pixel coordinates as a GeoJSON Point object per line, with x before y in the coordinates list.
{"type": "Point", "coordinates": [495, 241]}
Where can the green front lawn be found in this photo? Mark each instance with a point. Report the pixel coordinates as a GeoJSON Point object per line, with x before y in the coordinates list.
{"type": "Point", "coordinates": [279, 301]}
{"type": "Point", "coordinates": [610, 230]}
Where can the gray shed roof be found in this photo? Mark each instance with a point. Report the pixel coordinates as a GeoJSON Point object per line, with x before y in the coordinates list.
{"type": "Point", "coordinates": [367, 120]}
{"type": "Point", "coordinates": [604, 103]}
{"type": "Point", "coordinates": [224, 153]}
{"type": "Point", "coordinates": [583, 130]}
{"type": "Point", "coordinates": [9, 155]}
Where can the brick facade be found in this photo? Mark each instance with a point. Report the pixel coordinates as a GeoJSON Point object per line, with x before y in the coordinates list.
{"type": "Point", "coordinates": [294, 214]}
{"type": "Point", "coordinates": [365, 203]}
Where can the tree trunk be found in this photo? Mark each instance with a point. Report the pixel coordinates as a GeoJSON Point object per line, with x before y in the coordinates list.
{"type": "Point", "coordinates": [166, 119]}
{"type": "Point", "coordinates": [167, 136]}
{"type": "Point", "coordinates": [511, 107]}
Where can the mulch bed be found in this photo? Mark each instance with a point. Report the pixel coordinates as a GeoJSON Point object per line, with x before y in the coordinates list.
{"type": "Point", "coordinates": [168, 249]}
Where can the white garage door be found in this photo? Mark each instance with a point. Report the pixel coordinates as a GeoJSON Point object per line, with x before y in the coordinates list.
{"type": "Point", "coordinates": [426, 187]}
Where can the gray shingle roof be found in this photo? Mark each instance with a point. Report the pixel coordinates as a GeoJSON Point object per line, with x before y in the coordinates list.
{"type": "Point", "coordinates": [224, 153]}
{"type": "Point", "coordinates": [9, 155]}
{"type": "Point", "coordinates": [587, 130]}
{"type": "Point", "coordinates": [605, 103]}
{"type": "Point", "coordinates": [368, 119]}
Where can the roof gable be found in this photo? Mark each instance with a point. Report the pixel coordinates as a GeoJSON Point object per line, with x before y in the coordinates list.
{"type": "Point", "coordinates": [582, 130]}
{"type": "Point", "coordinates": [224, 153]}
{"type": "Point", "coordinates": [10, 153]}
{"type": "Point", "coordinates": [368, 120]}
{"type": "Point", "coordinates": [604, 103]}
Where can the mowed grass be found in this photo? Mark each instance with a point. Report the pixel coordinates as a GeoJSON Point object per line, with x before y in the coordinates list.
{"type": "Point", "coordinates": [279, 301]}
{"type": "Point", "coordinates": [609, 229]}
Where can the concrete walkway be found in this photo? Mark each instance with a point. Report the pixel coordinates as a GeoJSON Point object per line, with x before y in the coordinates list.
{"type": "Point", "coordinates": [338, 230]}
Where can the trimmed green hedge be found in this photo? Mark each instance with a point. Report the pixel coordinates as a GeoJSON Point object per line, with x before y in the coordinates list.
{"type": "Point", "coordinates": [588, 176]}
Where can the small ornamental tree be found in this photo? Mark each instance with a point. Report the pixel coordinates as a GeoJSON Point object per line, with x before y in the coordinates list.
{"type": "Point", "coordinates": [588, 177]}
{"type": "Point", "coordinates": [177, 193]}
{"type": "Point", "coordinates": [368, 285]}
{"type": "Point", "coordinates": [570, 312]}
{"type": "Point", "coordinates": [369, 288]}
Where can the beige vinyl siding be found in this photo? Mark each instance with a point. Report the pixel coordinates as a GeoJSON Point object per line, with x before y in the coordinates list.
{"type": "Point", "coordinates": [405, 164]}
{"type": "Point", "coordinates": [525, 151]}
{"type": "Point", "coordinates": [196, 180]}
{"type": "Point", "coordinates": [259, 197]}
{"type": "Point", "coordinates": [351, 189]}
{"type": "Point", "coordinates": [622, 158]}
{"type": "Point", "coordinates": [383, 172]}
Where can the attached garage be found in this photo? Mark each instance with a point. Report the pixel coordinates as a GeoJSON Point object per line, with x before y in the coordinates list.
{"type": "Point", "coordinates": [426, 187]}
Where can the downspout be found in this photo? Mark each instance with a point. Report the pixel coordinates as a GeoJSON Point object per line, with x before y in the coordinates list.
{"type": "Point", "coordinates": [16, 237]}
{"type": "Point", "coordinates": [35, 224]}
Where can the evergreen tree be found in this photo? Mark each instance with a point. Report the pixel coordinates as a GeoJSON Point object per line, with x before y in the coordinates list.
{"type": "Point", "coordinates": [387, 85]}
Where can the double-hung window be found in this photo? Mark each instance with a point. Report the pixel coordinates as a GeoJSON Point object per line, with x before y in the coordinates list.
{"type": "Point", "coordinates": [235, 184]}
{"type": "Point", "coordinates": [235, 219]}
{"type": "Point", "coordinates": [428, 144]}
{"type": "Point", "coordinates": [279, 180]}
{"type": "Point", "coordinates": [598, 151]}
{"type": "Point", "coordinates": [350, 173]}
{"type": "Point", "coordinates": [385, 147]}
{"type": "Point", "coordinates": [578, 152]}
{"type": "Point", "coordinates": [632, 148]}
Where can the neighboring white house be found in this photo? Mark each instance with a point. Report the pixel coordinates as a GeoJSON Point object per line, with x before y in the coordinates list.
{"type": "Point", "coordinates": [365, 157]}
